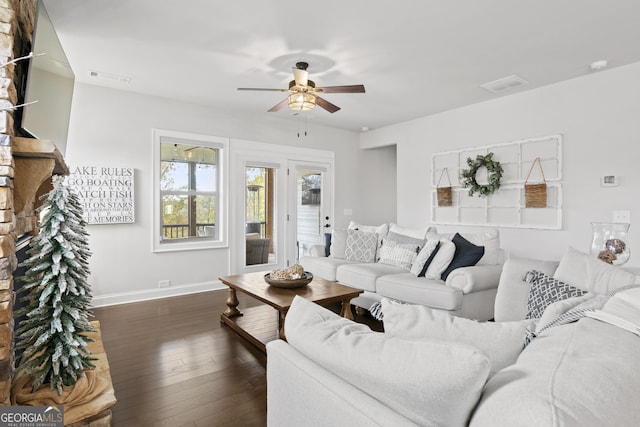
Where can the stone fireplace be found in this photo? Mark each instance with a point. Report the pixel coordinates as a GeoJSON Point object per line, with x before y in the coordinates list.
{"type": "Point", "coordinates": [26, 168]}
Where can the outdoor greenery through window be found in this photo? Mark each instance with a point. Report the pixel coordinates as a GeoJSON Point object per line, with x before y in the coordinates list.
{"type": "Point", "coordinates": [189, 191]}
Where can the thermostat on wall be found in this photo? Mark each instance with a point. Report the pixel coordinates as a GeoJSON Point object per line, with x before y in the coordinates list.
{"type": "Point", "coordinates": [609, 181]}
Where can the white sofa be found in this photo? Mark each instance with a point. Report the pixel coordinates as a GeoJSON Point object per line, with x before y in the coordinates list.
{"type": "Point", "coordinates": [467, 291]}
{"type": "Point", "coordinates": [334, 372]}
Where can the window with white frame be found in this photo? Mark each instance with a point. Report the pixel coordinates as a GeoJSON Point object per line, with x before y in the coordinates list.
{"type": "Point", "coordinates": [189, 197]}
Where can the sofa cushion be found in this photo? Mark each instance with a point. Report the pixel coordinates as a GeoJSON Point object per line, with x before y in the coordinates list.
{"type": "Point", "coordinates": [441, 260]}
{"type": "Point", "coordinates": [591, 274]}
{"type": "Point", "coordinates": [424, 258]}
{"type": "Point", "coordinates": [580, 374]}
{"type": "Point", "coordinates": [502, 342]}
{"type": "Point", "coordinates": [324, 267]}
{"type": "Point", "coordinates": [466, 255]}
{"type": "Point", "coordinates": [489, 239]}
{"type": "Point", "coordinates": [361, 246]}
{"type": "Point", "coordinates": [399, 254]}
{"type": "Point", "coordinates": [511, 297]}
{"type": "Point", "coordinates": [364, 276]}
{"type": "Point", "coordinates": [419, 290]}
{"type": "Point", "coordinates": [338, 244]}
{"type": "Point", "coordinates": [545, 290]}
{"type": "Point", "coordinates": [429, 382]}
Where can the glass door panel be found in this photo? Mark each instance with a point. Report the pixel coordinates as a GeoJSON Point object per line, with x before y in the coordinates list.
{"type": "Point", "coordinates": [259, 215]}
{"type": "Point", "coordinates": [312, 216]}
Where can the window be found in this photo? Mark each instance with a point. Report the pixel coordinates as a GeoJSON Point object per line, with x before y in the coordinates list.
{"type": "Point", "coordinates": [190, 208]}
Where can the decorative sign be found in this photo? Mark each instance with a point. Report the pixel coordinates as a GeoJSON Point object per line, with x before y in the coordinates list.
{"type": "Point", "coordinates": [106, 194]}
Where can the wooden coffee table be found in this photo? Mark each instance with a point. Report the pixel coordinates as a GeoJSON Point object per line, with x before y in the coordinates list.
{"type": "Point", "coordinates": [262, 324]}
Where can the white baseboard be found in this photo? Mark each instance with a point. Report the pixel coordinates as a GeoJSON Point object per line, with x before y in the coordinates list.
{"type": "Point", "coordinates": [149, 294]}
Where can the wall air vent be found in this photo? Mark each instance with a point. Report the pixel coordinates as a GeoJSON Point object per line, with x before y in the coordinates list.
{"type": "Point", "coordinates": [116, 78]}
{"type": "Point", "coordinates": [504, 84]}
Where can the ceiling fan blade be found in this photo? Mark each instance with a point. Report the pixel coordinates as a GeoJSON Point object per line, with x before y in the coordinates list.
{"type": "Point", "coordinates": [279, 106]}
{"type": "Point", "coordinates": [263, 89]}
{"type": "Point", "coordinates": [341, 89]}
{"type": "Point", "coordinates": [326, 105]}
{"type": "Point", "coordinates": [301, 76]}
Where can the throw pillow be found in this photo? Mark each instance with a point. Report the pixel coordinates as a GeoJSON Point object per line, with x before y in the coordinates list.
{"type": "Point", "coordinates": [361, 246]}
{"type": "Point", "coordinates": [398, 254]}
{"type": "Point", "coordinates": [402, 238]}
{"type": "Point", "coordinates": [415, 232]}
{"type": "Point", "coordinates": [338, 243]}
{"type": "Point", "coordinates": [558, 308]}
{"type": "Point", "coordinates": [380, 230]}
{"type": "Point", "coordinates": [489, 239]}
{"type": "Point", "coordinates": [546, 290]}
{"type": "Point", "coordinates": [466, 255]}
{"type": "Point", "coordinates": [429, 382]}
{"type": "Point", "coordinates": [589, 273]}
{"type": "Point", "coordinates": [424, 258]}
{"type": "Point", "coordinates": [441, 260]}
{"type": "Point", "coordinates": [501, 341]}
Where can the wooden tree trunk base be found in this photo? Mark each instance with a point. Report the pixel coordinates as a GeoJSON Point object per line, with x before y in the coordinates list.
{"type": "Point", "coordinates": [86, 403]}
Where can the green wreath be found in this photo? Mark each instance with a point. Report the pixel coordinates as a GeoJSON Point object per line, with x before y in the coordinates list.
{"type": "Point", "coordinates": [469, 175]}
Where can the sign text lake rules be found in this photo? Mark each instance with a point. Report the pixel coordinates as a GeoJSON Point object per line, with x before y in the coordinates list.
{"type": "Point", "coordinates": [106, 193]}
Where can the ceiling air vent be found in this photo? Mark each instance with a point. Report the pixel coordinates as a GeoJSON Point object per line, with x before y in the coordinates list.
{"type": "Point", "coordinates": [110, 76]}
{"type": "Point", "coordinates": [503, 84]}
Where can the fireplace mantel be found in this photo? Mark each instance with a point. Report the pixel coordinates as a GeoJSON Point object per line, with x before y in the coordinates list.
{"type": "Point", "coordinates": [36, 161]}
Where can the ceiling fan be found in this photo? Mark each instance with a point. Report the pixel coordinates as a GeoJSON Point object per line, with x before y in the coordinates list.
{"type": "Point", "coordinates": [303, 93]}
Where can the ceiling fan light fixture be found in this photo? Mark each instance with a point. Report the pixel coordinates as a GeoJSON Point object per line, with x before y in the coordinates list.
{"type": "Point", "coordinates": [302, 101]}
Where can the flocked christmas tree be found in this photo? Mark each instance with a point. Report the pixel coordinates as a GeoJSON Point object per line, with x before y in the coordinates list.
{"type": "Point", "coordinates": [58, 296]}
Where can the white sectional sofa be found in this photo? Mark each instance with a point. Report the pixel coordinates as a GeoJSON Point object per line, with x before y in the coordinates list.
{"type": "Point", "coordinates": [467, 291]}
{"type": "Point", "coordinates": [429, 368]}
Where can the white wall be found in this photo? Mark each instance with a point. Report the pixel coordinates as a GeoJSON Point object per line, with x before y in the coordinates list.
{"type": "Point", "coordinates": [599, 118]}
{"type": "Point", "coordinates": [376, 203]}
{"type": "Point", "coordinates": [113, 128]}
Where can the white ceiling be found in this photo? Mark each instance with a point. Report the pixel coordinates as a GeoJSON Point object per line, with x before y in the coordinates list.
{"type": "Point", "coordinates": [415, 58]}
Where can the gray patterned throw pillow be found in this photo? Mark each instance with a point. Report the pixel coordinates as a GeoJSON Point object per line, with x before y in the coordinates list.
{"type": "Point", "coordinates": [361, 246]}
{"type": "Point", "coordinates": [546, 290]}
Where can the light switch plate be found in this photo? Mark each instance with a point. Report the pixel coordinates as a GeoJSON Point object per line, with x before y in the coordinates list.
{"type": "Point", "coordinates": [622, 217]}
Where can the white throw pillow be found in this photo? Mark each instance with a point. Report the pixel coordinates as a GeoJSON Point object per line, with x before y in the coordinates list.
{"type": "Point", "coordinates": [429, 382]}
{"type": "Point", "coordinates": [441, 261]}
{"type": "Point", "coordinates": [558, 308]}
{"type": "Point", "coordinates": [398, 254]}
{"type": "Point", "coordinates": [415, 232]}
{"type": "Point", "coordinates": [502, 342]}
{"type": "Point", "coordinates": [489, 239]}
{"type": "Point", "coordinates": [338, 243]}
{"type": "Point", "coordinates": [423, 256]}
{"type": "Point", "coordinates": [591, 274]}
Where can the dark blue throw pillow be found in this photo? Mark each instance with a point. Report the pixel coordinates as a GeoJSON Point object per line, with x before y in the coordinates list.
{"type": "Point", "coordinates": [466, 255]}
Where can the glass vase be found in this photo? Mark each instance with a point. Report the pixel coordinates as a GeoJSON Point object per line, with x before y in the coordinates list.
{"type": "Point", "coordinates": [610, 242]}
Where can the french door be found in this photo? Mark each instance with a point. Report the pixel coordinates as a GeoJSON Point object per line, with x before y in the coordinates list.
{"type": "Point", "coordinates": [281, 204]}
{"type": "Point", "coordinates": [310, 201]}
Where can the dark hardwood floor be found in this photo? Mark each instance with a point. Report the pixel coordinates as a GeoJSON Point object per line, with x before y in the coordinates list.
{"type": "Point", "coordinates": [173, 364]}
